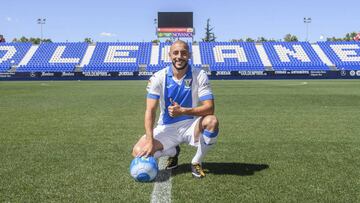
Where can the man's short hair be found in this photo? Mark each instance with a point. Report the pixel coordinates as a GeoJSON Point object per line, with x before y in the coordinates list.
{"type": "Point", "coordinates": [182, 42]}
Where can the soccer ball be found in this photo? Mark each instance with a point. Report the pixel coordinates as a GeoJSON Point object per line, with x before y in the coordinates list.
{"type": "Point", "coordinates": [144, 169]}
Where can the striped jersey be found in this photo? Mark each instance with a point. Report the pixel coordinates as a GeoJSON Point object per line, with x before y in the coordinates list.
{"type": "Point", "coordinates": [193, 88]}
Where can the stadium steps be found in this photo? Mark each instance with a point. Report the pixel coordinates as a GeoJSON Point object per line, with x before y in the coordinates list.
{"type": "Point", "coordinates": [196, 54]}
{"type": "Point", "coordinates": [78, 68]}
{"type": "Point", "coordinates": [206, 67]}
{"type": "Point", "coordinates": [264, 57]}
{"type": "Point", "coordinates": [333, 68]}
{"type": "Point", "coordinates": [142, 67]}
{"type": "Point", "coordinates": [154, 60]}
{"type": "Point", "coordinates": [323, 56]}
{"type": "Point", "coordinates": [12, 69]}
{"type": "Point", "coordinates": [86, 60]}
{"type": "Point", "coordinates": [268, 68]}
{"type": "Point", "coordinates": [165, 53]}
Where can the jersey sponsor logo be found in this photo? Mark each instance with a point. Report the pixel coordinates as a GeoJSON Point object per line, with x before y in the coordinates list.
{"type": "Point", "coordinates": [169, 86]}
{"type": "Point", "coordinates": [207, 85]}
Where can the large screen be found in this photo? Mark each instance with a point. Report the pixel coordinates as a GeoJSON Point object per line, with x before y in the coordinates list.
{"type": "Point", "coordinates": [175, 19]}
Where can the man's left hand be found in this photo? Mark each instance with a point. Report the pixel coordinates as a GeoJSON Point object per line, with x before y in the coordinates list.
{"type": "Point", "coordinates": [174, 109]}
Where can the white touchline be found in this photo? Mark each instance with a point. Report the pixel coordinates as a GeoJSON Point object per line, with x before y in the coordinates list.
{"type": "Point", "coordinates": [297, 84]}
{"type": "Point", "coordinates": [162, 187]}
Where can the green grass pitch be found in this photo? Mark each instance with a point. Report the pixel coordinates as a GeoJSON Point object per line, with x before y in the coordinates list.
{"type": "Point", "coordinates": [280, 141]}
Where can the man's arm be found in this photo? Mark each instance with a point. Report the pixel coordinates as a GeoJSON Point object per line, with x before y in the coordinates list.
{"type": "Point", "coordinates": [207, 107]}
{"type": "Point", "coordinates": [149, 120]}
{"type": "Point", "coordinates": [150, 114]}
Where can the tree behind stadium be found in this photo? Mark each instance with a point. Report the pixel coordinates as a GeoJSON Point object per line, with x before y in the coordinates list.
{"type": "Point", "coordinates": [209, 34]}
{"type": "Point", "coordinates": [348, 37]}
{"type": "Point", "coordinates": [31, 39]}
{"type": "Point", "coordinates": [290, 38]}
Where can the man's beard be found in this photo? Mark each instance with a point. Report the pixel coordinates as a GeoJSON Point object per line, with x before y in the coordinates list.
{"type": "Point", "coordinates": [181, 68]}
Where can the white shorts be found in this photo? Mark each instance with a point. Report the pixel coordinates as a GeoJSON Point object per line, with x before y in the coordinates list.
{"type": "Point", "coordinates": [177, 133]}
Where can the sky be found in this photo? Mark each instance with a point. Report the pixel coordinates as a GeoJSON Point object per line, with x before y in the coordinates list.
{"type": "Point", "coordinates": [133, 20]}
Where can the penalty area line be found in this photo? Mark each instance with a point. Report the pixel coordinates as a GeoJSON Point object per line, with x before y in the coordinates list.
{"type": "Point", "coordinates": [162, 187]}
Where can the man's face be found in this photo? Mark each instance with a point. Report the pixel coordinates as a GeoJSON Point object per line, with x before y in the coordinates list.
{"type": "Point", "coordinates": [179, 55]}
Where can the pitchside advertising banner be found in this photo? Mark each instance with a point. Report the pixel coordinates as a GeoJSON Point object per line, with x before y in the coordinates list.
{"type": "Point", "coordinates": [233, 75]}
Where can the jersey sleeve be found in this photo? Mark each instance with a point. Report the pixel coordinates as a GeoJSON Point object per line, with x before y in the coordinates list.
{"type": "Point", "coordinates": [204, 91]}
{"type": "Point", "coordinates": [153, 87]}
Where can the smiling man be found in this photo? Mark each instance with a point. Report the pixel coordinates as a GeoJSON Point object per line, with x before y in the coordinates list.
{"type": "Point", "coordinates": [186, 112]}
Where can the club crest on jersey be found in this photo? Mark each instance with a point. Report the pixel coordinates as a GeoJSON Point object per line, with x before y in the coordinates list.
{"type": "Point", "coordinates": [188, 83]}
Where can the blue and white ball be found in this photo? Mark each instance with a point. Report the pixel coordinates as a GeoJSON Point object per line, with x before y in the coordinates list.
{"type": "Point", "coordinates": [144, 169]}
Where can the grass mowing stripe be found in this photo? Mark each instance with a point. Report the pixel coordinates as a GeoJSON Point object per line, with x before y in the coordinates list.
{"type": "Point", "coordinates": [162, 186]}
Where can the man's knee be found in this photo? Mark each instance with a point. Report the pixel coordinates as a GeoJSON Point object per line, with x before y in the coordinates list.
{"type": "Point", "coordinates": [136, 150]}
{"type": "Point", "coordinates": [210, 123]}
{"type": "Point", "coordinates": [211, 129]}
{"type": "Point", "coordinates": [138, 146]}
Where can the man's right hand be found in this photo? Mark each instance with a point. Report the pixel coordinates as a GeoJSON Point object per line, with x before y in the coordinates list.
{"type": "Point", "coordinates": [147, 150]}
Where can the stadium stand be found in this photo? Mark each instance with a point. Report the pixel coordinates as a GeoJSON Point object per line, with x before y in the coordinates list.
{"type": "Point", "coordinates": [230, 56]}
{"type": "Point", "coordinates": [119, 56]}
{"type": "Point", "coordinates": [345, 55]}
{"type": "Point", "coordinates": [149, 57]}
{"type": "Point", "coordinates": [293, 56]}
{"type": "Point", "coordinates": [160, 57]}
{"type": "Point", "coordinates": [55, 57]}
{"type": "Point", "coordinates": [11, 54]}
